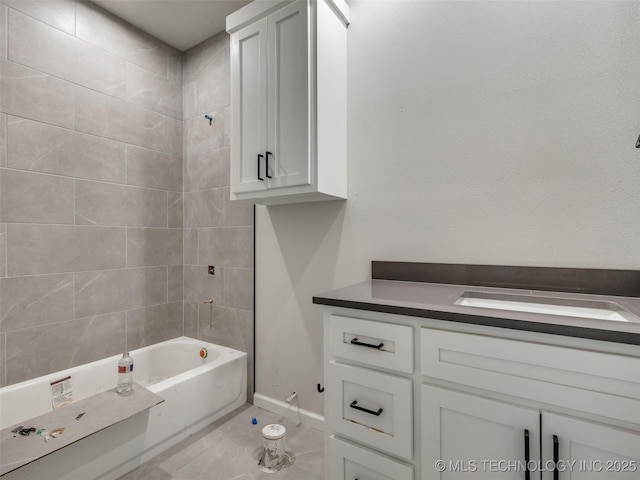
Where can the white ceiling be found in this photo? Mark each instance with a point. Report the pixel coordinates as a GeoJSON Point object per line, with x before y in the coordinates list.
{"type": "Point", "coordinates": [180, 23]}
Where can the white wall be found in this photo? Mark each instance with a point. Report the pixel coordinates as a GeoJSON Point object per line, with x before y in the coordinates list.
{"type": "Point", "coordinates": [479, 132]}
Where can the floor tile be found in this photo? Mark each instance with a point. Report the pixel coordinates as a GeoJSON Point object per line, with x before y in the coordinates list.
{"type": "Point", "coordinates": [229, 449]}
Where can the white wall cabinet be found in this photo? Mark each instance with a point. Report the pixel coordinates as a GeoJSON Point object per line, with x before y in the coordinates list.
{"type": "Point", "coordinates": [288, 101]}
{"type": "Point", "coordinates": [489, 403]}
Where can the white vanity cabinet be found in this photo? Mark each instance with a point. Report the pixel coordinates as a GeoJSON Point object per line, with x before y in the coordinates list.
{"type": "Point", "coordinates": [486, 402]}
{"type": "Point", "coordinates": [369, 399]}
{"type": "Point", "coordinates": [466, 431]}
{"type": "Point", "coordinates": [288, 101]}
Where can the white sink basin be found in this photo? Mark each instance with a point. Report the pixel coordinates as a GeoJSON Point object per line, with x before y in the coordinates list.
{"type": "Point", "coordinates": [546, 305]}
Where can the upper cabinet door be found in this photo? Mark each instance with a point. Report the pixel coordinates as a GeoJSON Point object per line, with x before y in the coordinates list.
{"type": "Point", "coordinates": [249, 108]}
{"type": "Point", "coordinates": [288, 94]}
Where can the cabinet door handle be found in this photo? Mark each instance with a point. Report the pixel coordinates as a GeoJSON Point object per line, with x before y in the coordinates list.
{"type": "Point", "coordinates": [556, 454]}
{"type": "Point", "coordinates": [267, 162]}
{"type": "Point", "coordinates": [527, 457]}
{"type": "Point", "coordinates": [259, 157]}
{"type": "Point", "coordinates": [356, 342]}
{"type": "Point", "coordinates": [354, 404]}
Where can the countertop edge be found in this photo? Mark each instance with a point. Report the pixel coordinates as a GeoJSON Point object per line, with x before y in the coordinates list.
{"type": "Point", "coordinates": [513, 324]}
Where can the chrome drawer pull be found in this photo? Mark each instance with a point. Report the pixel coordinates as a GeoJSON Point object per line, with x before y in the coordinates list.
{"type": "Point", "coordinates": [354, 404]}
{"type": "Point", "coordinates": [356, 342]}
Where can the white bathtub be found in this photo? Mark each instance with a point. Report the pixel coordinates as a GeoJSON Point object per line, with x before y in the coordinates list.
{"type": "Point", "coordinates": [196, 392]}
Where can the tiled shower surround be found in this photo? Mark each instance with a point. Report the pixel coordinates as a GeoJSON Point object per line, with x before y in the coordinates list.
{"type": "Point", "coordinates": [113, 192]}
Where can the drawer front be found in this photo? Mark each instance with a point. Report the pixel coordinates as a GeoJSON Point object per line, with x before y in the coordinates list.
{"type": "Point", "coordinates": [594, 382]}
{"type": "Point", "coordinates": [379, 344]}
{"type": "Point", "coordinates": [371, 407]}
{"type": "Point", "coordinates": [348, 462]}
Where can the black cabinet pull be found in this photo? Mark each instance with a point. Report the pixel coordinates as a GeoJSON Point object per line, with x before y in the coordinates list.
{"type": "Point", "coordinates": [267, 173]}
{"type": "Point", "coordinates": [354, 404]}
{"type": "Point", "coordinates": [527, 457]}
{"type": "Point", "coordinates": [259, 157]}
{"type": "Point", "coordinates": [556, 454]}
{"type": "Point", "coordinates": [356, 342]}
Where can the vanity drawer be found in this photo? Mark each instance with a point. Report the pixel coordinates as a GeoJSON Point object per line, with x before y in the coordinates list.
{"type": "Point", "coordinates": [594, 382]}
{"type": "Point", "coordinates": [349, 462]}
{"type": "Point", "coordinates": [379, 344]}
{"type": "Point", "coordinates": [371, 407]}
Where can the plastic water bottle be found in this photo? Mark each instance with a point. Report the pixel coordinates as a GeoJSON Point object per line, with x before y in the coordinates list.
{"type": "Point", "coordinates": [125, 375]}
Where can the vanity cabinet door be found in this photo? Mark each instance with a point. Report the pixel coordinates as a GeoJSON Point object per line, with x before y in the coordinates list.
{"type": "Point", "coordinates": [585, 450]}
{"type": "Point", "coordinates": [469, 437]}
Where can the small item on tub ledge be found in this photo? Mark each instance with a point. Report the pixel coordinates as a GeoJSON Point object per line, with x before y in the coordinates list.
{"type": "Point", "coordinates": [125, 375]}
{"type": "Point", "coordinates": [80, 416]}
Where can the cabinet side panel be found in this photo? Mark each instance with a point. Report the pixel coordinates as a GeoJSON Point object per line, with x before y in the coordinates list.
{"type": "Point", "coordinates": [331, 102]}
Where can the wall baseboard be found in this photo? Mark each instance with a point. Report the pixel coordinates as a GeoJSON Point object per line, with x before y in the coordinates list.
{"type": "Point", "coordinates": [290, 411]}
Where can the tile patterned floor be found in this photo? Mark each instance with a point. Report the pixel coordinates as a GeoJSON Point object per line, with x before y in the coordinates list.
{"type": "Point", "coordinates": [229, 450]}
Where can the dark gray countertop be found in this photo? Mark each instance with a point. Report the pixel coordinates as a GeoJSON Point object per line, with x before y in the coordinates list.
{"type": "Point", "coordinates": [437, 301]}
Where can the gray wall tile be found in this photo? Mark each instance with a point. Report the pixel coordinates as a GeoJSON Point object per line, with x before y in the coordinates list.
{"type": "Point", "coordinates": [3, 140]}
{"type": "Point", "coordinates": [27, 197]}
{"type": "Point", "coordinates": [102, 115]}
{"type": "Point", "coordinates": [200, 286]}
{"type": "Point", "coordinates": [37, 249]}
{"type": "Point", "coordinates": [3, 378]}
{"type": "Point", "coordinates": [32, 352]}
{"type": "Point", "coordinates": [207, 170]}
{"type": "Point", "coordinates": [175, 134]}
{"type": "Point", "coordinates": [175, 286]}
{"type": "Point", "coordinates": [226, 246]}
{"type": "Point", "coordinates": [4, 15]}
{"type": "Point", "coordinates": [199, 136]}
{"type": "Point", "coordinates": [174, 70]}
{"type": "Point", "coordinates": [227, 126]}
{"type": "Point", "coordinates": [237, 213]}
{"type": "Point", "coordinates": [191, 246]}
{"type": "Point", "coordinates": [229, 327]}
{"type": "Point", "coordinates": [36, 95]}
{"type": "Point", "coordinates": [198, 60]}
{"type": "Point", "coordinates": [40, 46]}
{"type": "Point", "coordinates": [44, 148]}
{"type": "Point", "coordinates": [3, 250]}
{"type": "Point", "coordinates": [154, 91]}
{"type": "Point", "coordinates": [204, 208]}
{"type": "Point", "coordinates": [116, 290]}
{"type": "Point", "coordinates": [106, 31]}
{"type": "Point", "coordinates": [150, 168]}
{"type": "Point", "coordinates": [60, 14]}
{"type": "Point", "coordinates": [191, 319]}
{"type": "Point", "coordinates": [35, 300]}
{"type": "Point", "coordinates": [108, 204]}
{"type": "Point", "coordinates": [174, 210]}
{"type": "Point", "coordinates": [149, 325]}
{"type": "Point", "coordinates": [211, 92]}
{"type": "Point", "coordinates": [154, 246]}
{"type": "Point", "coordinates": [238, 288]}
